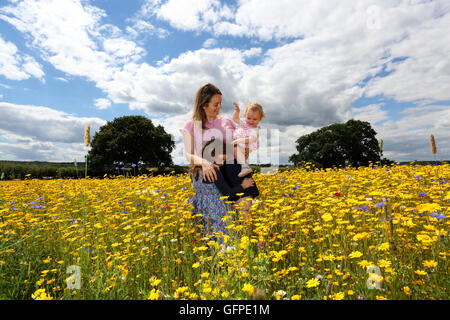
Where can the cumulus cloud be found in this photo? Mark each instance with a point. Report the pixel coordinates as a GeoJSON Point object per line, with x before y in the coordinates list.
{"type": "Point", "coordinates": [102, 103]}
{"type": "Point", "coordinates": [17, 66]}
{"type": "Point", "coordinates": [70, 36]}
{"type": "Point", "coordinates": [323, 57]}
{"type": "Point", "coordinates": [42, 133]}
{"type": "Point", "coordinates": [44, 124]}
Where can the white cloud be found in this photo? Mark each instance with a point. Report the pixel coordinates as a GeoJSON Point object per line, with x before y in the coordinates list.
{"type": "Point", "coordinates": [102, 103]}
{"type": "Point", "coordinates": [42, 133]}
{"type": "Point", "coordinates": [372, 113]}
{"type": "Point", "coordinates": [326, 55]}
{"type": "Point", "coordinates": [17, 66]}
{"type": "Point", "coordinates": [44, 124]}
{"type": "Point", "coordinates": [70, 36]}
{"type": "Point", "coordinates": [211, 42]}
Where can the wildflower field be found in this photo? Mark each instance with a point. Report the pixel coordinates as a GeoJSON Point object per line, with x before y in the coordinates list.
{"type": "Point", "coordinates": [345, 233]}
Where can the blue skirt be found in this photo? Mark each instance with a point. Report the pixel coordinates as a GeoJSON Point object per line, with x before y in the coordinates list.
{"type": "Point", "coordinates": [207, 202]}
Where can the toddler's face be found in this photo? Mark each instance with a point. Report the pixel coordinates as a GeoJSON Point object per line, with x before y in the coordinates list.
{"type": "Point", "coordinates": [252, 117]}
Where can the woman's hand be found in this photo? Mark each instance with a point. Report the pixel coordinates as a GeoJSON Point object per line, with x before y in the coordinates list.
{"type": "Point", "coordinates": [247, 183]}
{"type": "Point", "coordinates": [209, 171]}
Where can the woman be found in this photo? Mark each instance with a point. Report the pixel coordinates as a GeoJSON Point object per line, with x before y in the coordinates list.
{"type": "Point", "coordinates": [205, 125]}
{"type": "Point", "coordinates": [208, 199]}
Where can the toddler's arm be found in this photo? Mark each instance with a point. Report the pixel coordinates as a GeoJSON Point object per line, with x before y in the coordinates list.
{"type": "Point", "coordinates": [236, 113]}
{"type": "Point", "coordinates": [245, 140]}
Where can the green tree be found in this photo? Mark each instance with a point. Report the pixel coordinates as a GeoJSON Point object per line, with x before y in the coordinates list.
{"type": "Point", "coordinates": [340, 144]}
{"type": "Point", "coordinates": [128, 141]}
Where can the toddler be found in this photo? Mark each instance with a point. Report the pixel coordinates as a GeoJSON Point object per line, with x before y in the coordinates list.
{"type": "Point", "coordinates": [246, 135]}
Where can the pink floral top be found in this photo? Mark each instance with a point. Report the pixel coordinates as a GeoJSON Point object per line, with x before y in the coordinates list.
{"type": "Point", "coordinates": [221, 128]}
{"type": "Point", "coordinates": [243, 131]}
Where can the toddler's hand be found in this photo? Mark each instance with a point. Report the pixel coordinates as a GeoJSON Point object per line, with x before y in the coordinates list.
{"type": "Point", "coordinates": [247, 183]}
{"type": "Point", "coordinates": [236, 107]}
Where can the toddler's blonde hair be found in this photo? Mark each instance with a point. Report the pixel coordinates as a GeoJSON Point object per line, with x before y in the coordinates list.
{"type": "Point", "coordinates": [255, 106]}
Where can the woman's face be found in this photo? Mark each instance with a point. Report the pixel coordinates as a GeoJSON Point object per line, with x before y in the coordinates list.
{"type": "Point", "coordinates": [212, 109]}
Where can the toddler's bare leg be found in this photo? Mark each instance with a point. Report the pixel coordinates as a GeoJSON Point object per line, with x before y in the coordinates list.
{"type": "Point", "coordinates": [245, 170]}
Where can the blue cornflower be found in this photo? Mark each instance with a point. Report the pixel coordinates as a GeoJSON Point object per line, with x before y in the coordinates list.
{"type": "Point", "coordinates": [364, 207]}
{"type": "Point", "coordinates": [138, 204]}
{"type": "Point", "coordinates": [441, 216]}
{"type": "Point", "coordinates": [120, 202]}
{"type": "Point", "coordinates": [422, 194]}
{"type": "Point", "coordinates": [380, 204]}
{"type": "Point", "coordinates": [133, 165]}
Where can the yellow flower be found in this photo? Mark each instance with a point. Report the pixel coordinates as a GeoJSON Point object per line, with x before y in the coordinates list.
{"type": "Point", "coordinates": [327, 217]}
{"type": "Point", "coordinates": [365, 263]}
{"type": "Point", "coordinates": [196, 265]}
{"type": "Point", "coordinates": [350, 292]}
{"type": "Point", "coordinates": [383, 247]}
{"type": "Point", "coordinates": [355, 254]}
{"type": "Point", "coordinates": [154, 281]}
{"type": "Point", "coordinates": [420, 272]}
{"type": "Point", "coordinates": [154, 295]}
{"type": "Point", "coordinates": [40, 294]}
{"type": "Point", "coordinates": [407, 291]}
{"type": "Point", "coordinates": [296, 297]}
{"type": "Point", "coordinates": [384, 263]}
{"type": "Point", "coordinates": [314, 282]}
{"type": "Point", "coordinates": [380, 298]}
{"type": "Point", "coordinates": [339, 296]}
{"type": "Point", "coordinates": [248, 288]}
{"type": "Point", "coordinates": [429, 263]}
{"type": "Point", "coordinates": [205, 275]}
{"type": "Point", "coordinates": [47, 260]}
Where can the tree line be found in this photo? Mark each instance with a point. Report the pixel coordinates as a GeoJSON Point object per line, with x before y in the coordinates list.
{"type": "Point", "coordinates": [132, 145]}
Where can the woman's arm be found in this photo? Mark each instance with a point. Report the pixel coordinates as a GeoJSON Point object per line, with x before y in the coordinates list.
{"type": "Point", "coordinates": [208, 168]}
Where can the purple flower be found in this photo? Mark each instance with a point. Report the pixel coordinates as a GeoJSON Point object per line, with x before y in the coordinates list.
{"type": "Point", "coordinates": [364, 207]}
{"type": "Point", "coordinates": [133, 165]}
{"type": "Point", "coordinates": [422, 194]}
{"type": "Point", "coordinates": [120, 202]}
{"type": "Point", "coordinates": [261, 244]}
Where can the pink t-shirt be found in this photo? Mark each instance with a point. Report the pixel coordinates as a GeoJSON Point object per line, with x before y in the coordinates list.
{"type": "Point", "coordinates": [221, 128]}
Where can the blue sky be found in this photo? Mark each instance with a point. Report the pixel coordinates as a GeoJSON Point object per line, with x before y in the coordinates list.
{"type": "Point", "coordinates": [66, 63]}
